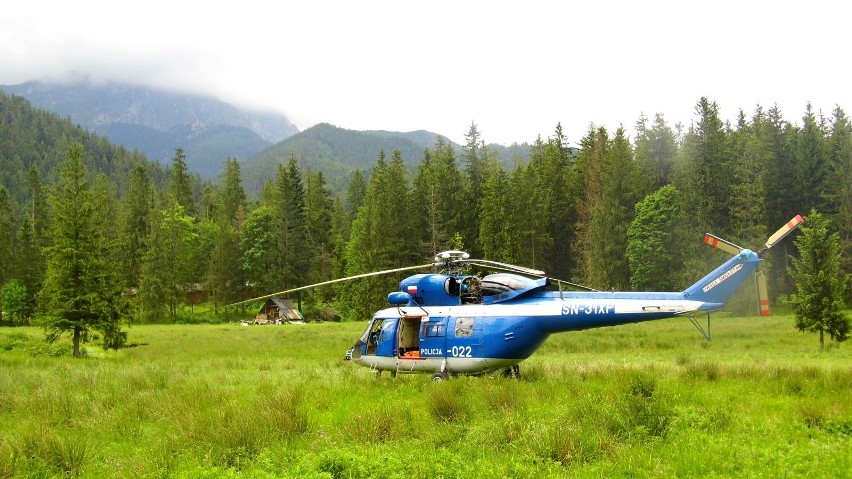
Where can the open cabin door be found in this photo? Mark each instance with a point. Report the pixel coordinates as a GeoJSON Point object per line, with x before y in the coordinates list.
{"type": "Point", "coordinates": [409, 337]}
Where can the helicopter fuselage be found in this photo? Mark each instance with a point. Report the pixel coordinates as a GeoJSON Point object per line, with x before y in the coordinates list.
{"type": "Point", "coordinates": [514, 316]}
{"type": "Point", "coordinates": [474, 338]}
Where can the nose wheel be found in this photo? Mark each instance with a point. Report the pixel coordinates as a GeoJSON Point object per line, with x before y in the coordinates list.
{"type": "Point", "coordinates": [513, 371]}
{"type": "Point", "coordinates": [439, 377]}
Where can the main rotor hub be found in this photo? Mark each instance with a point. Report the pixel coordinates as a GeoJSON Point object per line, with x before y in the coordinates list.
{"type": "Point", "coordinates": [449, 260]}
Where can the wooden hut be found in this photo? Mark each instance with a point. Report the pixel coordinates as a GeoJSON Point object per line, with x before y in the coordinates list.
{"type": "Point", "coordinates": [277, 311]}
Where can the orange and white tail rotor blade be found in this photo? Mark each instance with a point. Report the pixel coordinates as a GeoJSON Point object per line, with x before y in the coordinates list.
{"type": "Point", "coordinates": [722, 244]}
{"type": "Point", "coordinates": [784, 231]}
{"type": "Point", "coordinates": [762, 293]}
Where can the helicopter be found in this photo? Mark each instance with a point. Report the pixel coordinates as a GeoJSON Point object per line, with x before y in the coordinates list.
{"type": "Point", "coordinates": [450, 323]}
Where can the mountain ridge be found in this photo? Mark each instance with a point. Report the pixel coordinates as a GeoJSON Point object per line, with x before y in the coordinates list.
{"type": "Point", "coordinates": [155, 122]}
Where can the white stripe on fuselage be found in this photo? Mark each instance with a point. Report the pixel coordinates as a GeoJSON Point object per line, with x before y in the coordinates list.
{"type": "Point", "coordinates": [574, 307]}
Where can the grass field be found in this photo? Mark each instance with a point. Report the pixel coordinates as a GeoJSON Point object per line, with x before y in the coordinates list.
{"type": "Point", "coordinates": [649, 400]}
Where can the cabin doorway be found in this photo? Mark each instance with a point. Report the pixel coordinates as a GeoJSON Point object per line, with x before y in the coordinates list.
{"type": "Point", "coordinates": [409, 336]}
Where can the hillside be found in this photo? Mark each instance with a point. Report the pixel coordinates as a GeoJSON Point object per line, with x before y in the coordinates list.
{"type": "Point", "coordinates": [32, 137]}
{"type": "Point", "coordinates": [156, 122]}
{"type": "Point", "coordinates": [337, 152]}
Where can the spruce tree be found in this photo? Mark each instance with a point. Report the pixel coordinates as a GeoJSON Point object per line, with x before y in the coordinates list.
{"type": "Point", "coordinates": [292, 258]}
{"type": "Point", "coordinates": [839, 193]}
{"type": "Point", "coordinates": [438, 192]}
{"type": "Point", "coordinates": [622, 185]}
{"type": "Point", "coordinates": [180, 186]}
{"type": "Point", "coordinates": [707, 176]}
{"type": "Point", "coordinates": [818, 303]}
{"type": "Point", "coordinates": [381, 238]}
{"type": "Point", "coordinates": [168, 267]}
{"type": "Point", "coordinates": [137, 206]}
{"type": "Point", "coordinates": [810, 153]}
{"type": "Point", "coordinates": [7, 237]}
{"type": "Point", "coordinates": [320, 234]}
{"type": "Point", "coordinates": [78, 295]}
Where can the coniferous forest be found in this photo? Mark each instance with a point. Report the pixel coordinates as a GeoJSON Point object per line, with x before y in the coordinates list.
{"type": "Point", "coordinates": [608, 210]}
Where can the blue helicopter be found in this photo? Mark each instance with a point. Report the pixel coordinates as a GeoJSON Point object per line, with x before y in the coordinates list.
{"type": "Point", "coordinates": [448, 323]}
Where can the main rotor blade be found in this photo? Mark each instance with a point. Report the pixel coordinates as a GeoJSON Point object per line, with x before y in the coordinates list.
{"type": "Point", "coordinates": [338, 280]}
{"type": "Point", "coordinates": [576, 285]}
{"type": "Point", "coordinates": [502, 266]}
{"type": "Point", "coordinates": [722, 244]}
{"type": "Point", "coordinates": [784, 231]}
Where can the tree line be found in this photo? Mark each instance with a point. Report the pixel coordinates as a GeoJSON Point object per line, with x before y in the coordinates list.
{"type": "Point", "coordinates": [611, 212]}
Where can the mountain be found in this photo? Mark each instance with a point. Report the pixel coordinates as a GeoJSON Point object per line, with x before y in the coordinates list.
{"type": "Point", "coordinates": [337, 152]}
{"type": "Point", "coordinates": [156, 122]}
{"type": "Point", "coordinates": [32, 137]}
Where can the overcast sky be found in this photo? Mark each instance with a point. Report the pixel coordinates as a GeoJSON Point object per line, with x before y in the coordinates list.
{"type": "Point", "coordinates": [516, 69]}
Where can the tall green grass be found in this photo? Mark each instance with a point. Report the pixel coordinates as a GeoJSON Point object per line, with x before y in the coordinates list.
{"type": "Point", "coordinates": [649, 400]}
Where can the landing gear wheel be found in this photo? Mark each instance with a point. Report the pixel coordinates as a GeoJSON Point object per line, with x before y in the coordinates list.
{"type": "Point", "coordinates": [513, 372]}
{"type": "Point", "coordinates": [440, 377]}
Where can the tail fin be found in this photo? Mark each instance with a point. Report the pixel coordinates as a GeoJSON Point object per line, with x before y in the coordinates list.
{"type": "Point", "coordinates": [716, 288]}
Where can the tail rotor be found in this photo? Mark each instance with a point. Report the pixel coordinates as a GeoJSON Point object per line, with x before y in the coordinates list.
{"type": "Point", "coordinates": [728, 247]}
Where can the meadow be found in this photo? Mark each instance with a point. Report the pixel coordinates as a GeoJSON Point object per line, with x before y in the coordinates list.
{"type": "Point", "coordinates": [645, 400]}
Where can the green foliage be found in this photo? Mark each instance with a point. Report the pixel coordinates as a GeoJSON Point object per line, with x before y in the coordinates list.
{"type": "Point", "coordinates": [168, 267]}
{"type": "Point", "coordinates": [818, 303]}
{"type": "Point", "coordinates": [655, 247]}
{"type": "Point", "coordinates": [7, 236]}
{"type": "Point", "coordinates": [180, 185]}
{"type": "Point", "coordinates": [79, 293]}
{"type": "Point", "coordinates": [14, 305]}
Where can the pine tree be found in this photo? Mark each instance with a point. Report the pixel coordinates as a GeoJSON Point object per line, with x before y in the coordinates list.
{"type": "Point", "coordinates": [233, 196]}
{"type": "Point", "coordinates": [839, 193]}
{"type": "Point", "coordinates": [818, 302]}
{"type": "Point", "coordinates": [168, 267]}
{"type": "Point", "coordinates": [622, 185]}
{"type": "Point", "coordinates": [810, 154]}
{"type": "Point", "coordinates": [473, 156]}
{"type": "Point", "coordinates": [138, 204]}
{"type": "Point", "coordinates": [7, 237]}
{"type": "Point", "coordinates": [780, 190]}
{"type": "Point", "coordinates": [656, 149]}
{"type": "Point", "coordinates": [320, 233]}
{"type": "Point", "coordinates": [589, 168]}
{"type": "Point", "coordinates": [381, 238]}
{"type": "Point", "coordinates": [78, 295]}
{"type": "Point", "coordinates": [495, 221]}
{"type": "Point", "coordinates": [707, 175]}
{"type": "Point", "coordinates": [27, 260]}
{"type": "Point", "coordinates": [751, 160]}
{"type": "Point", "coordinates": [438, 190]}
{"type": "Point", "coordinates": [180, 187]}
{"type": "Point", "coordinates": [292, 258]}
